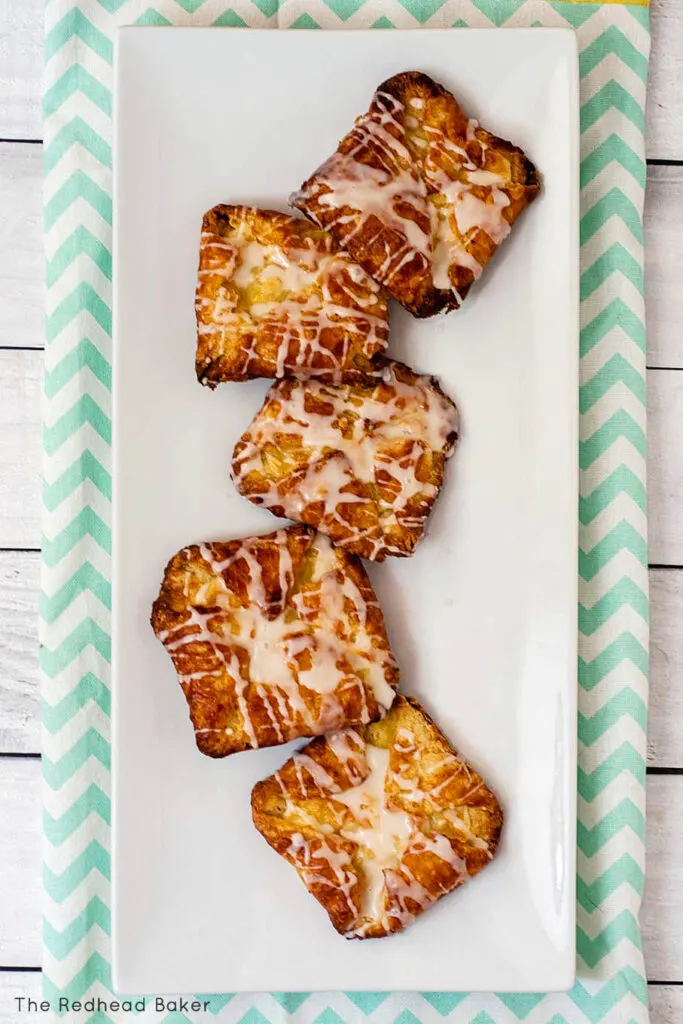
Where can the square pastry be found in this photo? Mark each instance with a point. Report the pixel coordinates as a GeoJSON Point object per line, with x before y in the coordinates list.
{"type": "Point", "coordinates": [273, 638]}
{"type": "Point", "coordinates": [361, 461]}
{"type": "Point", "coordinates": [420, 194]}
{"type": "Point", "coordinates": [379, 822]}
{"type": "Point", "coordinates": [276, 296]}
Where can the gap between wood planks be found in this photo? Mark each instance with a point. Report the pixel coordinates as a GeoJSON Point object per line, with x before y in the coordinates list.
{"type": "Point", "coordinates": [20, 827]}
{"type": "Point", "coordinates": [21, 65]}
{"type": "Point", "coordinates": [22, 260]}
{"type": "Point", "coordinates": [20, 682]}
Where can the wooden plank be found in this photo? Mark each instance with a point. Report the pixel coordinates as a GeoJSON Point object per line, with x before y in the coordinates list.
{"type": "Point", "coordinates": [662, 916]}
{"type": "Point", "coordinates": [662, 913]}
{"type": "Point", "coordinates": [664, 265]}
{"type": "Point", "coordinates": [21, 69]}
{"type": "Point", "coordinates": [666, 1001]}
{"type": "Point", "coordinates": [21, 38]}
{"type": "Point", "coordinates": [664, 117]}
{"type": "Point", "coordinates": [22, 299]}
{"type": "Point", "coordinates": [20, 682]}
{"type": "Point", "coordinates": [666, 1004]}
{"type": "Point", "coordinates": [19, 679]}
{"type": "Point", "coordinates": [22, 259]}
{"type": "Point", "coordinates": [665, 466]}
{"type": "Point", "coordinates": [665, 726]}
{"type": "Point", "coordinates": [20, 862]}
{"type": "Point", "coordinates": [21, 251]}
{"type": "Point", "coordinates": [19, 985]}
{"type": "Point", "coordinates": [21, 375]}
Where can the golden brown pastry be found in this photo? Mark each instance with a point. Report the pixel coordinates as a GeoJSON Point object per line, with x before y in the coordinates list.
{"type": "Point", "coordinates": [362, 461]}
{"type": "Point", "coordinates": [419, 194]}
{"type": "Point", "coordinates": [274, 637]}
{"type": "Point", "coordinates": [275, 296]}
{"type": "Point", "coordinates": [379, 822]}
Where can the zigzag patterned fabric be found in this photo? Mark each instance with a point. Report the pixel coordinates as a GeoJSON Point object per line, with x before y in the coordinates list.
{"type": "Point", "coordinates": [613, 612]}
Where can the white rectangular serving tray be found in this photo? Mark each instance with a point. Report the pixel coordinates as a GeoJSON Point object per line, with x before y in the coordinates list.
{"type": "Point", "coordinates": [483, 618]}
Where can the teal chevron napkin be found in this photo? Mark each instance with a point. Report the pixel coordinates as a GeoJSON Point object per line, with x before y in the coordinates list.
{"type": "Point", "coordinates": [75, 603]}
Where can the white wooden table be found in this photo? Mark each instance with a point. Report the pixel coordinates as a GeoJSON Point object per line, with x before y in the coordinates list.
{"type": "Point", "coordinates": [21, 341]}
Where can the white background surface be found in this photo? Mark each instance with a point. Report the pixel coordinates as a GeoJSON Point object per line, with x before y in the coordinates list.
{"type": "Point", "coordinates": [496, 572]}
{"type": "Point", "coordinates": [21, 338]}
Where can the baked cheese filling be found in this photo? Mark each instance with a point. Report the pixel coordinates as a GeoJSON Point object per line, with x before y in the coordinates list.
{"type": "Point", "coordinates": [296, 306]}
{"type": "Point", "coordinates": [382, 882]}
{"type": "Point", "coordinates": [295, 291]}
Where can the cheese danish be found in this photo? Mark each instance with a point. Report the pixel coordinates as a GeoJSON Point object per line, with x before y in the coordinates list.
{"type": "Point", "coordinates": [379, 822]}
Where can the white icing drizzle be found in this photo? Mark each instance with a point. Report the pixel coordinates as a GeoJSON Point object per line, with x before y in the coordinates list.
{"type": "Point", "coordinates": [388, 843]}
{"type": "Point", "coordinates": [316, 859]}
{"type": "Point", "coordinates": [424, 179]}
{"type": "Point", "coordinates": [457, 822]}
{"type": "Point", "coordinates": [352, 442]}
{"type": "Point", "coordinates": [291, 659]}
{"type": "Point", "coordinates": [382, 833]}
{"type": "Point", "coordinates": [431, 800]}
{"type": "Point", "coordinates": [295, 294]}
{"type": "Point", "coordinates": [357, 191]}
{"type": "Point", "coordinates": [319, 776]}
{"type": "Point", "coordinates": [348, 748]}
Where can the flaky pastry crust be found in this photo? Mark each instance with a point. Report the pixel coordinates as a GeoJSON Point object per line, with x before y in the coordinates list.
{"type": "Point", "coordinates": [419, 194]}
{"type": "Point", "coordinates": [361, 461]}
